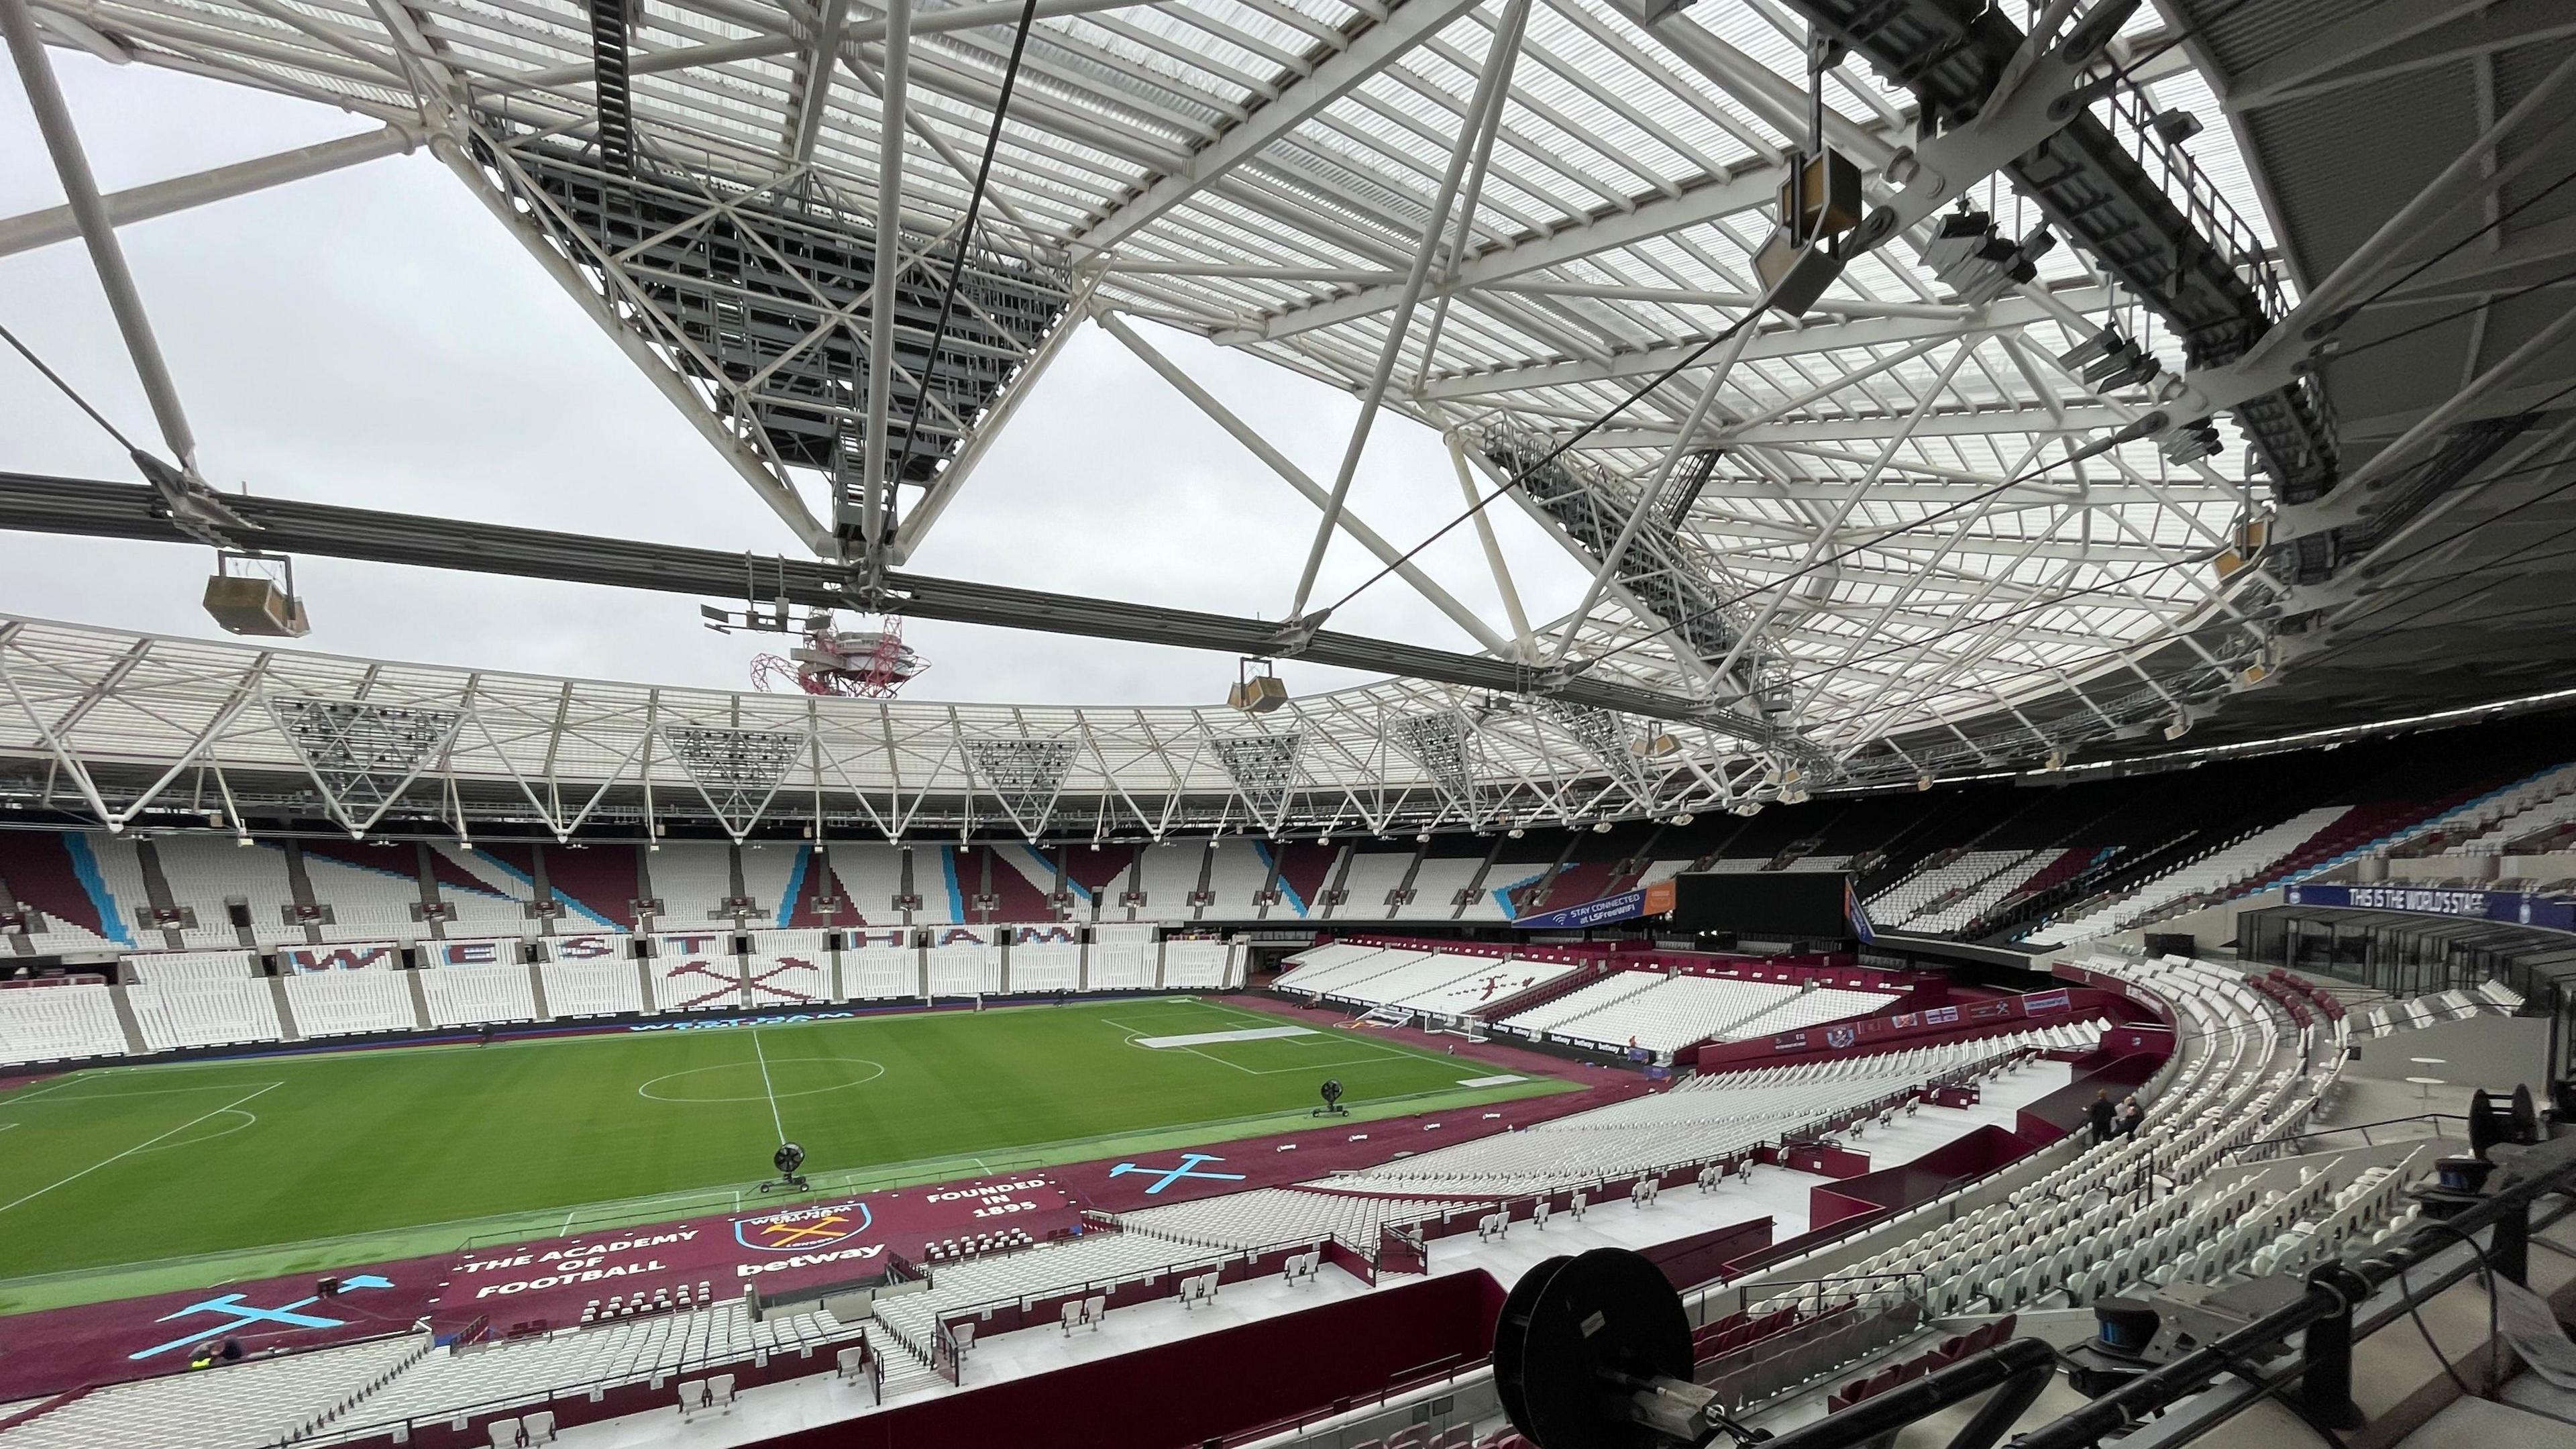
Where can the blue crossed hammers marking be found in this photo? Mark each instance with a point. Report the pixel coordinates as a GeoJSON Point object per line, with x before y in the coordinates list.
{"type": "Point", "coordinates": [1188, 1168]}
{"type": "Point", "coordinates": [244, 1315]}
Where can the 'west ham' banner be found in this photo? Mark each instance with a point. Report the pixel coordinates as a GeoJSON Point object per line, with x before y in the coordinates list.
{"type": "Point", "coordinates": [491, 951]}
{"type": "Point", "coordinates": [2519, 909]}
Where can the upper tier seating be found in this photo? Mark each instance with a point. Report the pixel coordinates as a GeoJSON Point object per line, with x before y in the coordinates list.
{"type": "Point", "coordinates": [58, 1023]}
{"type": "Point", "coordinates": [373, 891]}
{"type": "Point", "coordinates": [206, 872]}
{"type": "Point", "coordinates": [2244, 859]}
{"type": "Point", "coordinates": [1236, 873]}
{"type": "Point", "coordinates": [769, 871]}
{"type": "Point", "coordinates": [691, 878]}
{"type": "Point", "coordinates": [1899, 905]}
{"type": "Point", "coordinates": [201, 1013]}
{"type": "Point", "coordinates": [1366, 882]}
{"type": "Point", "coordinates": [2487, 824]}
{"type": "Point", "coordinates": [350, 1003]}
{"type": "Point", "coordinates": [1169, 874]}
{"type": "Point", "coordinates": [871, 876]}
{"type": "Point", "coordinates": [1436, 885]}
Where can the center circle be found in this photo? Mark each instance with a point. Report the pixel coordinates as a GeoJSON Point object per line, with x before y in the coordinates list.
{"type": "Point", "coordinates": [749, 1074]}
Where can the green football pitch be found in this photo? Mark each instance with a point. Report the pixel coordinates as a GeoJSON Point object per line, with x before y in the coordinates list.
{"type": "Point", "coordinates": [118, 1181]}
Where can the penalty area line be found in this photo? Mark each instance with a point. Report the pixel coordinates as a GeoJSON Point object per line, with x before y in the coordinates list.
{"type": "Point", "coordinates": [129, 1152]}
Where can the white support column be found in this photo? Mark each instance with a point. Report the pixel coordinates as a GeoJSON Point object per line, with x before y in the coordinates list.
{"type": "Point", "coordinates": [1493, 547]}
{"type": "Point", "coordinates": [89, 211]}
{"type": "Point", "coordinates": [1489, 93]}
{"type": "Point", "coordinates": [890, 114]}
{"type": "Point", "coordinates": [35, 229]}
{"type": "Point", "coordinates": [1244, 433]}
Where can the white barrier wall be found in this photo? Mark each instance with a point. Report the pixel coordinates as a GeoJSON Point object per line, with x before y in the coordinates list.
{"type": "Point", "coordinates": [56, 1023]}
{"type": "Point", "coordinates": [477, 995]}
{"type": "Point", "coordinates": [1121, 968]}
{"type": "Point", "coordinates": [181, 1014]}
{"type": "Point", "coordinates": [1046, 968]}
{"type": "Point", "coordinates": [350, 1003]}
{"type": "Point", "coordinates": [965, 970]}
{"type": "Point", "coordinates": [162, 966]}
{"type": "Point", "coordinates": [591, 988]}
{"type": "Point", "coordinates": [881, 973]}
{"type": "Point", "coordinates": [1203, 965]}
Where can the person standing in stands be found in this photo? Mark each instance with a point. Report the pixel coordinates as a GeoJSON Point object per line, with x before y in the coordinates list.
{"type": "Point", "coordinates": [2103, 1117]}
{"type": "Point", "coordinates": [2131, 1114]}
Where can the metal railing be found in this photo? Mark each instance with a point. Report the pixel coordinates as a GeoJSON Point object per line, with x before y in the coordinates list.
{"type": "Point", "coordinates": [2293, 1142]}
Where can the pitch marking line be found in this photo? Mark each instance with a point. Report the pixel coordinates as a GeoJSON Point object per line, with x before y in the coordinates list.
{"type": "Point", "coordinates": [766, 1089]}
{"type": "Point", "coordinates": [146, 1092]}
{"type": "Point", "coordinates": [129, 1152]}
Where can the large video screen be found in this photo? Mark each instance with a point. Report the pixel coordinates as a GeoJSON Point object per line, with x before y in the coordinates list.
{"type": "Point", "coordinates": [1765, 905]}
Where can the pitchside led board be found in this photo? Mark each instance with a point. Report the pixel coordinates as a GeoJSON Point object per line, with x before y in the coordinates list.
{"type": "Point", "coordinates": [1766, 905]}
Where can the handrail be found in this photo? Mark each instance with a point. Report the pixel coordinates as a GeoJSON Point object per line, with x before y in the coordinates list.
{"type": "Point", "coordinates": [2436, 1117]}
{"type": "Point", "coordinates": [2325, 1311]}
{"type": "Point", "coordinates": [2018, 1371]}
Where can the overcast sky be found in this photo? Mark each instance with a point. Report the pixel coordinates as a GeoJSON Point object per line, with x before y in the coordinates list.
{"type": "Point", "coordinates": [374, 337]}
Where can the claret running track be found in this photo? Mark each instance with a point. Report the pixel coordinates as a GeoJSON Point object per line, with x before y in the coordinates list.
{"type": "Point", "coordinates": [124, 1180]}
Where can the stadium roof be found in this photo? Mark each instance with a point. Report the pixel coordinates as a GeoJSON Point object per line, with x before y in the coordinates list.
{"type": "Point", "coordinates": [1897, 533]}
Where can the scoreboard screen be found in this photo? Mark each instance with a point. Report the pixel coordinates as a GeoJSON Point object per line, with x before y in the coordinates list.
{"type": "Point", "coordinates": [1765, 905]}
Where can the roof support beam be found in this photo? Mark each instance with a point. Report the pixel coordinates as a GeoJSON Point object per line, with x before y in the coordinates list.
{"type": "Point", "coordinates": [876, 479]}
{"type": "Point", "coordinates": [117, 510]}
{"type": "Point", "coordinates": [2006, 314]}
{"type": "Point", "coordinates": [1488, 99]}
{"type": "Point", "coordinates": [1407, 26]}
{"type": "Point", "coordinates": [34, 229]}
{"type": "Point", "coordinates": [1307, 488]}
{"type": "Point", "coordinates": [810, 94]}
{"type": "Point", "coordinates": [97, 228]}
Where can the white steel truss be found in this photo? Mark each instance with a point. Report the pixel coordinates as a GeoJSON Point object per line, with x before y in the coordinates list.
{"type": "Point", "coordinates": [1895, 516]}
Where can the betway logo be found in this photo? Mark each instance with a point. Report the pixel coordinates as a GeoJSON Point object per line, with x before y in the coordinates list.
{"type": "Point", "coordinates": [806, 1260]}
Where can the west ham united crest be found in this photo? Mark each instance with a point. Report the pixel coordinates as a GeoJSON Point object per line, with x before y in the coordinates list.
{"type": "Point", "coordinates": [802, 1230]}
{"type": "Point", "coordinates": [1839, 1037]}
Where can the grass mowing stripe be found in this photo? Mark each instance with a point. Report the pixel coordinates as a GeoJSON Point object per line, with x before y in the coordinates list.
{"type": "Point", "coordinates": [129, 1152]}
